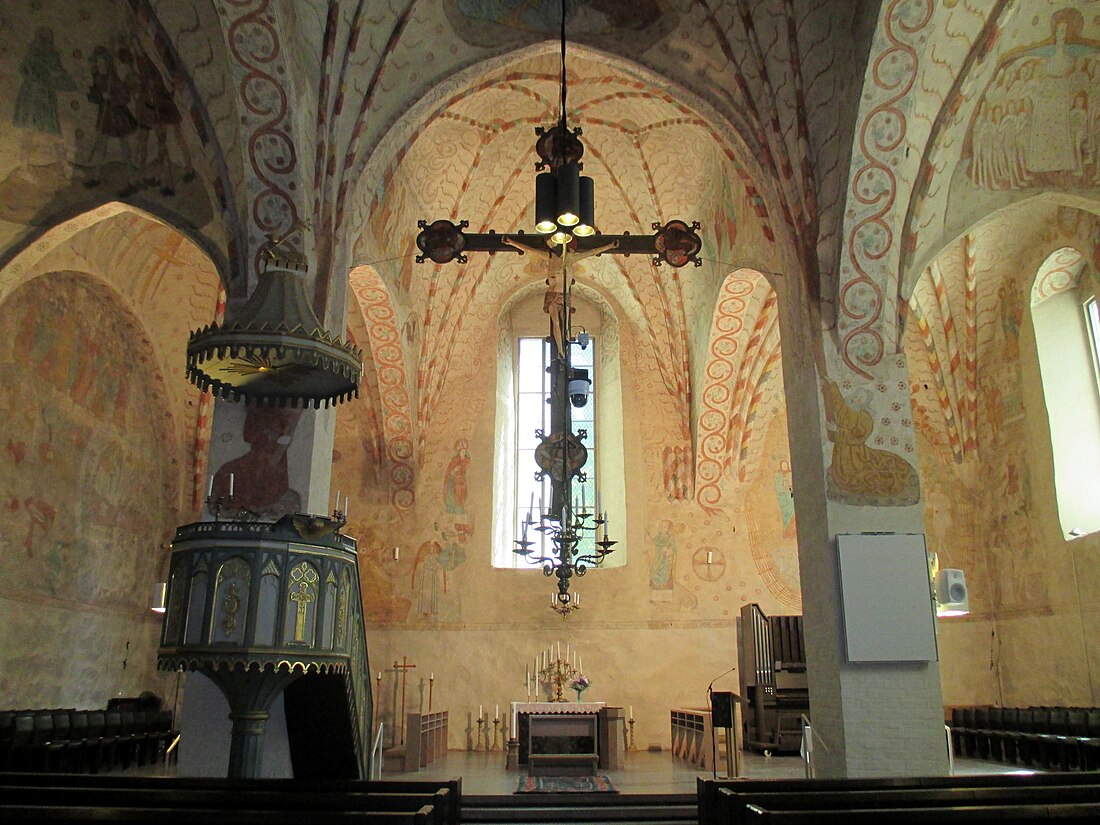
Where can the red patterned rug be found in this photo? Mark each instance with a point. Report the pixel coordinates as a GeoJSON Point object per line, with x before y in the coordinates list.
{"type": "Point", "coordinates": [566, 784]}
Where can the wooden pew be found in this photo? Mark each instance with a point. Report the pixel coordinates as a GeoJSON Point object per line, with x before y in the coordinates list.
{"type": "Point", "coordinates": [707, 790]}
{"type": "Point", "coordinates": [735, 805]}
{"type": "Point", "coordinates": [1085, 812]}
{"type": "Point", "coordinates": [448, 803]}
{"type": "Point", "coordinates": [75, 815]}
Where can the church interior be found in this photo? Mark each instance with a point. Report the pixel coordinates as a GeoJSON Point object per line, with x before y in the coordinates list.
{"type": "Point", "coordinates": [889, 327]}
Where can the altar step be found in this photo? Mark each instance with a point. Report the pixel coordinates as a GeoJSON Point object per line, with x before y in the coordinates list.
{"type": "Point", "coordinates": [581, 809]}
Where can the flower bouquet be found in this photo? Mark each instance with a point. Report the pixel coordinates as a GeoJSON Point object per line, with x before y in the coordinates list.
{"type": "Point", "coordinates": [580, 684]}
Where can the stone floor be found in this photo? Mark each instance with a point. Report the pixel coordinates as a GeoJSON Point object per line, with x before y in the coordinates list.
{"type": "Point", "coordinates": [484, 774]}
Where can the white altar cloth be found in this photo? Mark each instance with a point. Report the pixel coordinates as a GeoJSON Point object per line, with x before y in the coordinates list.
{"type": "Point", "coordinates": [584, 708]}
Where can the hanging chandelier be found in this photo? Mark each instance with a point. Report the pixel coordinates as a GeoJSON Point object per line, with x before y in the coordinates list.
{"type": "Point", "coordinates": [564, 210]}
{"type": "Point", "coordinates": [565, 226]}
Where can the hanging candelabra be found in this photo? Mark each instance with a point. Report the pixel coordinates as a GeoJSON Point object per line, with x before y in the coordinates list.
{"type": "Point", "coordinates": [573, 537]}
{"type": "Point", "coordinates": [564, 210]}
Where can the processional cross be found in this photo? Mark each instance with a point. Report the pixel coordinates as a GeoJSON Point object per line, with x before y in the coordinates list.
{"type": "Point", "coordinates": [404, 669]}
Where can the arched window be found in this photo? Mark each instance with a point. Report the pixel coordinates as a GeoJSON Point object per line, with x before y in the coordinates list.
{"type": "Point", "coordinates": [1063, 311]}
{"type": "Point", "coordinates": [522, 389]}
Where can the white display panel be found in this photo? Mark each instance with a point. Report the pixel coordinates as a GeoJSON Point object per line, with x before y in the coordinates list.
{"type": "Point", "coordinates": [887, 597]}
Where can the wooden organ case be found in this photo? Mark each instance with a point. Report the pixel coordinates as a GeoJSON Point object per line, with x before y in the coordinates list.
{"type": "Point", "coordinates": [772, 672]}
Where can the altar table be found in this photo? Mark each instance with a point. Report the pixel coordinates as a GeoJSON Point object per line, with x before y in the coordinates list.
{"type": "Point", "coordinates": [522, 712]}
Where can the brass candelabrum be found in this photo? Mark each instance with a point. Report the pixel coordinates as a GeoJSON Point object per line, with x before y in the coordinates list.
{"type": "Point", "coordinates": [566, 559]}
{"type": "Point", "coordinates": [482, 741]}
{"type": "Point", "coordinates": [558, 674]}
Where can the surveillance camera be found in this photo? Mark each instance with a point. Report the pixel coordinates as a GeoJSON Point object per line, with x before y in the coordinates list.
{"type": "Point", "coordinates": [579, 384]}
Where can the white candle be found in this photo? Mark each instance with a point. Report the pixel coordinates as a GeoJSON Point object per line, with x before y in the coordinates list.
{"type": "Point", "coordinates": [580, 665]}
{"type": "Point", "coordinates": [210, 489]}
{"type": "Point", "coordinates": [379, 676]}
{"type": "Point", "coordinates": [336, 506]}
{"type": "Point", "coordinates": [531, 506]}
{"type": "Point", "coordinates": [231, 485]}
{"type": "Point", "coordinates": [631, 716]}
{"type": "Point", "coordinates": [496, 712]}
{"type": "Point", "coordinates": [710, 556]}
{"type": "Point", "coordinates": [583, 508]}
{"type": "Point", "coordinates": [396, 553]}
{"type": "Point", "coordinates": [347, 501]}
{"type": "Point", "coordinates": [431, 676]}
{"type": "Point", "coordinates": [480, 713]}
{"type": "Point", "coordinates": [567, 651]}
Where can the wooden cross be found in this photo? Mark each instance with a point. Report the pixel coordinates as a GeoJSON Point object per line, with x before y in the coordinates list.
{"type": "Point", "coordinates": [404, 668]}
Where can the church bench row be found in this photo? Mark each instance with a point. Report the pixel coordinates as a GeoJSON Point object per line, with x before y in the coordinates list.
{"type": "Point", "coordinates": [212, 816]}
{"type": "Point", "coordinates": [1000, 814]}
{"type": "Point", "coordinates": [708, 791]}
{"type": "Point", "coordinates": [1048, 737]}
{"type": "Point", "coordinates": [65, 739]}
{"type": "Point", "coordinates": [285, 791]}
{"type": "Point", "coordinates": [230, 803]}
{"type": "Point", "coordinates": [735, 807]}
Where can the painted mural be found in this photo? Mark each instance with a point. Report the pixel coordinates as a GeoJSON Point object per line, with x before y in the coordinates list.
{"type": "Point", "coordinates": [94, 115]}
{"type": "Point", "coordinates": [488, 22]}
{"type": "Point", "coordinates": [87, 473]}
{"type": "Point", "coordinates": [1038, 121]}
{"type": "Point", "coordinates": [859, 473]}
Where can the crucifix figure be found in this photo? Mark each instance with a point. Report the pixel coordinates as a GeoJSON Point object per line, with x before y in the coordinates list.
{"type": "Point", "coordinates": [553, 304]}
{"type": "Point", "coordinates": [404, 668]}
{"type": "Point", "coordinates": [303, 591]}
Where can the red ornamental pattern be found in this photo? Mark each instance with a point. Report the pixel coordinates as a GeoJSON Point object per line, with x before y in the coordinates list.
{"type": "Point", "coordinates": [718, 390]}
{"type": "Point", "coordinates": [1059, 273]}
{"type": "Point", "coordinates": [385, 345]}
{"type": "Point", "coordinates": [874, 185]}
{"type": "Point", "coordinates": [254, 43]}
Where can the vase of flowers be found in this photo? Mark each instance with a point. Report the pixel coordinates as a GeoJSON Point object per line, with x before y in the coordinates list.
{"type": "Point", "coordinates": [580, 684]}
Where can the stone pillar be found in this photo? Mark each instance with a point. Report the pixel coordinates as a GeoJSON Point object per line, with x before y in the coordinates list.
{"type": "Point", "coordinates": [880, 719]}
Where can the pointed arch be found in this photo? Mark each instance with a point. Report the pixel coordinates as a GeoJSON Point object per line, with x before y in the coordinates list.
{"type": "Point", "coordinates": [388, 354]}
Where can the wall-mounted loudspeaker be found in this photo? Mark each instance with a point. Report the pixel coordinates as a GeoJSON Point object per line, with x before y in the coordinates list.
{"type": "Point", "coordinates": [952, 597]}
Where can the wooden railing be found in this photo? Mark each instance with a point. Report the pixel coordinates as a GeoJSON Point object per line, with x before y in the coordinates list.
{"type": "Point", "coordinates": [425, 738]}
{"type": "Point", "coordinates": [693, 736]}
